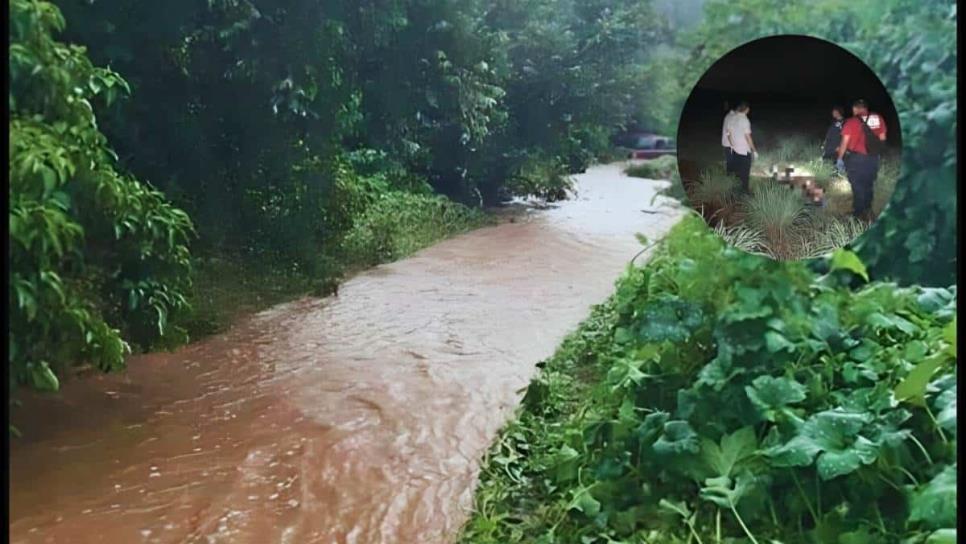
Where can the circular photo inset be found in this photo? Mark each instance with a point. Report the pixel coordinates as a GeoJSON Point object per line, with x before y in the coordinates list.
{"type": "Point", "coordinates": [789, 147]}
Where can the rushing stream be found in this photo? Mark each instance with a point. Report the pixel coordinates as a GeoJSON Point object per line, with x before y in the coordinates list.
{"type": "Point", "coordinates": [359, 418]}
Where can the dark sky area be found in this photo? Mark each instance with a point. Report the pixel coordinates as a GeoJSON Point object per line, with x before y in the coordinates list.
{"type": "Point", "coordinates": [791, 83]}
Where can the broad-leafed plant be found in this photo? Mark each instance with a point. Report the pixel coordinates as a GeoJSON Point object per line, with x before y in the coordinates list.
{"type": "Point", "coordinates": [98, 259]}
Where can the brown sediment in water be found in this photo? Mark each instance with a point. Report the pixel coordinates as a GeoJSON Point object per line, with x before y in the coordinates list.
{"type": "Point", "coordinates": [359, 418]}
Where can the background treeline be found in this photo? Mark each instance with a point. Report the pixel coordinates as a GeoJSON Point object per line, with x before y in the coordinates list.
{"type": "Point", "coordinates": [310, 135]}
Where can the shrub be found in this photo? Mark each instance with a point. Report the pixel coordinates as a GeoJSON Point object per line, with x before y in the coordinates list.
{"type": "Point", "coordinates": [724, 397]}
{"type": "Point", "coordinates": [795, 148]}
{"type": "Point", "coordinates": [97, 258]}
{"type": "Point", "coordinates": [542, 176]}
{"type": "Point", "coordinates": [663, 167]}
{"type": "Point", "coordinates": [583, 145]}
{"type": "Point", "coordinates": [914, 241]}
{"type": "Point", "coordinates": [399, 223]}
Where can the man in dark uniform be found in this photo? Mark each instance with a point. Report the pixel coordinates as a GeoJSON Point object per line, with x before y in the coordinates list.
{"type": "Point", "coordinates": [833, 136]}
{"type": "Point", "coordinates": [853, 155]}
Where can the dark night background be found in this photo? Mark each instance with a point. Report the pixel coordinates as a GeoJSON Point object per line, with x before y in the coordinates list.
{"type": "Point", "coordinates": [791, 83]}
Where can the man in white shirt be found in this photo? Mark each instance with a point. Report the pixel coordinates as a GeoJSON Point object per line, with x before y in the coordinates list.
{"type": "Point", "coordinates": [725, 140]}
{"type": "Point", "coordinates": [738, 130]}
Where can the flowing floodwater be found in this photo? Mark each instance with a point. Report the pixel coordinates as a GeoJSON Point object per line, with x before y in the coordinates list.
{"type": "Point", "coordinates": [359, 418]}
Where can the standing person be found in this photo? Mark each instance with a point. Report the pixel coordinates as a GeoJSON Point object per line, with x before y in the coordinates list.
{"type": "Point", "coordinates": [833, 136]}
{"type": "Point", "coordinates": [742, 145]}
{"type": "Point", "coordinates": [863, 137]}
{"type": "Point", "coordinates": [725, 137]}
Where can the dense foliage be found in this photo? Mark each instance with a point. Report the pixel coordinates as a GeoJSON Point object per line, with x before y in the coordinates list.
{"type": "Point", "coordinates": [728, 397]}
{"type": "Point", "coordinates": [260, 101]}
{"type": "Point", "coordinates": [96, 256]}
{"type": "Point", "coordinates": [316, 135]}
{"type": "Point", "coordinates": [909, 45]}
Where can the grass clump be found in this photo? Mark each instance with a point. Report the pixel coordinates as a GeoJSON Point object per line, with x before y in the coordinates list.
{"type": "Point", "coordinates": [776, 211]}
{"type": "Point", "coordinates": [715, 189]}
{"type": "Point", "coordinates": [828, 232]}
{"type": "Point", "coordinates": [781, 221]}
{"type": "Point", "coordinates": [400, 223]}
{"type": "Point", "coordinates": [823, 170]}
{"type": "Point", "coordinates": [742, 237]}
{"type": "Point", "coordinates": [840, 423]}
{"type": "Point", "coordinates": [663, 167]}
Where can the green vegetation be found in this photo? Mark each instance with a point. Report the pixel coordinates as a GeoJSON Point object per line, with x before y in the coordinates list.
{"type": "Point", "coordinates": [716, 191]}
{"type": "Point", "coordinates": [401, 223]}
{"type": "Point", "coordinates": [295, 142]}
{"type": "Point", "coordinates": [719, 396]}
{"type": "Point", "coordinates": [722, 397]}
{"type": "Point", "coordinates": [663, 167]}
{"type": "Point", "coordinates": [915, 239]}
{"type": "Point", "coordinates": [98, 259]}
{"type": "Point", "coordinates": [775, 219]}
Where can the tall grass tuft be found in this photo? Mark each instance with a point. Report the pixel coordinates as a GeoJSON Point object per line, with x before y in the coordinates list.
{"type": "Point", "coordinates": [742, 237]}
{"type": "Point", "coordinates": [796, 148]}
{"type": "Point", "coordinates": [776, 210]}
{"type": "Point", "coordinates": [715, 188]}
{"type": "Point", "coordinates": [827, 232]}
{"type": "Point", "coordinates": [822, 170]}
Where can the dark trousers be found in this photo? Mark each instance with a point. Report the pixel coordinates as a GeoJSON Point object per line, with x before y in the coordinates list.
{"type": "Point", "coordinates": [740, 167]}
{"type": "Point", "coordinates": [727, 155]}
{"type": "Point", "coordinates": [861, 171]}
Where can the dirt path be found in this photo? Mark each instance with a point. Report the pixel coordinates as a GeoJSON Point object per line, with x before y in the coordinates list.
{"type": "Point", "coordinates": [355, 419]}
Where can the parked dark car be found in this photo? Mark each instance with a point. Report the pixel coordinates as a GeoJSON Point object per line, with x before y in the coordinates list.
{"type": "Point", "coordinates": [646, 145]}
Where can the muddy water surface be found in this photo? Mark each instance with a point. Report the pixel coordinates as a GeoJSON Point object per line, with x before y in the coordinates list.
{"type": "Point", "coordinates": [360, 418]}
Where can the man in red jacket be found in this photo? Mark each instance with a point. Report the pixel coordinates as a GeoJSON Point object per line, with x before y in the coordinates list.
{"type": "Point", "coordinates": [858, 156]}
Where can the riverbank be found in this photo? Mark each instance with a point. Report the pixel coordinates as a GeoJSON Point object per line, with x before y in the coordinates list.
{"type": "Point", "coordinates": [624, 436]}
{"type": "Point", "coordinates": [358, 416]}
{"type": "Point", "coordinates": [228, 287]}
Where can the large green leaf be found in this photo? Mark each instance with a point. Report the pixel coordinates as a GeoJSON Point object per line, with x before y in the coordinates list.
{"type": "Point", "coordinates": [770, 394]}
{"type": "Point", "coordinates": [678, 438]}
{"type": "Point", "coordinates": [830, 438]}
{"type": "Point", "coordinates": [843, 259]}
{"type": "Point", "coordinates": [913, 387]}
{"type": "Point", "coordinates": [934, 504]}
{"type": "Point", "coordinates": [733, 449]}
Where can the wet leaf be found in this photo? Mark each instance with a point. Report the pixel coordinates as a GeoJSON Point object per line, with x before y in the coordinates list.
{"type": "Point", "coordinates": [843, 259]}
{"type": "Point", "coordinates": [913, 387]}
{"type": "Point", "coordinates": [43, 377]}
{"type": "Point", "coordinates": [769, 393]}
{"type": "Point", "coordinates": [678, 437]}
{"type": "Point", "coordinates": [942, 536]}
{"type": "Point", "coordinates": [733, 449]}
{"type": "Point", "coordinates": [934, 504]}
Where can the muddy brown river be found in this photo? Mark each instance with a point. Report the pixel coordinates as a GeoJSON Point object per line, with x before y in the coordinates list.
{"type": "Point", "coordinates": [359, 418]}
